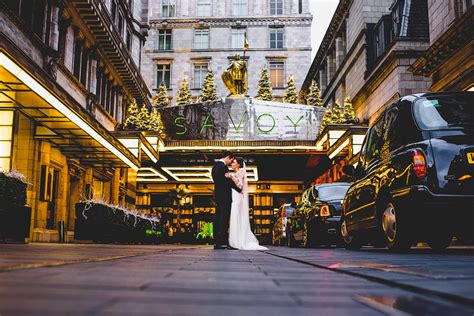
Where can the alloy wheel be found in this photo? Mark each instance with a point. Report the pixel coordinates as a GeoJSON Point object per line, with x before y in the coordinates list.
{"type": "Point", "coordinates": [345, 234]}
{"type": "Point", "coordinates": [389, 222]}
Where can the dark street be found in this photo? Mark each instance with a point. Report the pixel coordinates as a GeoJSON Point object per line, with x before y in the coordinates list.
{"type": "Point", "coordinates": [53, 279]}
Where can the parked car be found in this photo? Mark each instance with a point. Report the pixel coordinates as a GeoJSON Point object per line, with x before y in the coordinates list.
{"type": "Point", "coordinates": [414, 175]}
{"type": "Point", "coordinates": [316, 220]}
{"type": "Point", "coordinates": [279, 229]}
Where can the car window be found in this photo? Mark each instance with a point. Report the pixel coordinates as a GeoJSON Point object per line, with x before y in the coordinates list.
{"type": "Point", "coordinates": [440, 112]}
{"type": "Point", "coordinates": [333, 192]}
{"type": "Point", "coordinates": [393, 131]}
{"type": "Point", "coordinates": [375, 141]}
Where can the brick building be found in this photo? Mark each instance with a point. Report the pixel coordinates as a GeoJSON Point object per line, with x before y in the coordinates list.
{"type": "Point", "coordinates": [449, 60]}
{"type": "Point", "coordinates": [67, 71]}
{"type": "Point", "coordinates": [366, 53]}
{"type": "Point", "coordinates": [188, 36]}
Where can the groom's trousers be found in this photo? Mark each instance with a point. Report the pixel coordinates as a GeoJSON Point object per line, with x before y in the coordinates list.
{"type": "Point", "coordinates": [221, 223]}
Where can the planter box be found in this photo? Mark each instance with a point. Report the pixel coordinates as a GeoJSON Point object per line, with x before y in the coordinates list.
{"type": "Point", "coordinates": [15, 223]}
{"type": "Point", "coordinates": [102, 223]}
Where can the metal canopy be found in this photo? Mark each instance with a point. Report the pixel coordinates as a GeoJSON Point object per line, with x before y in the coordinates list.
{"type": "Point", "coordinates": [60, 130]}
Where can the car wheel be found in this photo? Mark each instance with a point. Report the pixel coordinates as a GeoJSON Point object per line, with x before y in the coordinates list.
{"type": "Point", "coordinates": [395, 232]}
{"type": "Point", "coordinates": [290, 239]}
{"type": "Point", "coordinates": [350, 242]}
{"type": "Point", "coordinates": [440, 240]}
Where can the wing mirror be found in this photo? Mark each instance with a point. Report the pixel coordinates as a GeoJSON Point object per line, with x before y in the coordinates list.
{"type": "Point", "coordinates": [293, 204]}
{"type": "Point", "coordinates": [349, 170]}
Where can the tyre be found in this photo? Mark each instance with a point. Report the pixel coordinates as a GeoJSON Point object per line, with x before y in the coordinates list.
{"type": "Point", "coordinates": [395, 231]}
{"type": "Point", "coordinates": [351, 242]}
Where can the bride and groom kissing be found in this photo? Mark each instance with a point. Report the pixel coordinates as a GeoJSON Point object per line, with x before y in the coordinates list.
{"type": "Point", "coordinates": [231, 221]}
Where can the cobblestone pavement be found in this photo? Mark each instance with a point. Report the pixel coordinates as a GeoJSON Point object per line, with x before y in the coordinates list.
{"type": "Point", "coordinates": [72, 279]}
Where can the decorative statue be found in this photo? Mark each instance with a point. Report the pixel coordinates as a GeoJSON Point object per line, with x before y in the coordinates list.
{"type": "Point", "coordinates": [235, 77]}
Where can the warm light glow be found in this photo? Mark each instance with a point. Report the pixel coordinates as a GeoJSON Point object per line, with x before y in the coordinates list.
{"type": "Point", "coordinates": [202, 174]}
{"type": "Point", "coordinates": [221, 148]}
{"type": "Point", "coordinates": [36, 87]}
{"type": "Point", "coordinates": [320, 143]}
{"type": "Point", "coordinates": [334, 136]}
{"type": "Point", "coordinates": [153, 175]}
{"type": "Point", "coordinates": [6, 122]}
{"type": "Point", "coordinates": [149, 154]}
{"type": "Point", "coordinates": [339, 149]}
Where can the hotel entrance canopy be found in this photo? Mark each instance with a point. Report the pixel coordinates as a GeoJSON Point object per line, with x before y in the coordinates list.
{"type": "Point", "coordinates": [60, 119]}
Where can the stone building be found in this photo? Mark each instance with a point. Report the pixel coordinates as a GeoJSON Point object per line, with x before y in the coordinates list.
{"type": "Point", "coordinates": [186, 37]}
{"type": "Point", "coordinates": [67, 71]}
{"type": "Point", "coordinates": [449, 60]}
{"type": "Point", "coordinates": [366, 53]}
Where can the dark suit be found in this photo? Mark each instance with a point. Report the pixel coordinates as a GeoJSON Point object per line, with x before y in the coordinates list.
{"type": "Point", "coordinates": [223, 197]}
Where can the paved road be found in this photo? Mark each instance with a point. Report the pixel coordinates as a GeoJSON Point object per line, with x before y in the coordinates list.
{"type": "Point", "coordinates": [52, 279]}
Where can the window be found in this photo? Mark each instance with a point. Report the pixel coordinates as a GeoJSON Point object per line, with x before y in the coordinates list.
{"type": "Point", "coordinates": [128, 40]}
{"type": "Point", "coordinates": [120, 25]}
{"type": "Point", "coordinates": [31, 12]}
{"type": "Point", "coordinates": [375, 141]}
{"type": "Point", "coordinates": [163, 75]}
{"type": "Point", "coordinates": [201, 38]}
{"type": "Point", "coordinates": [204, 7]}
{"type": "Point", "coordinates": [300, 6]}
{"type": "Point", "coordinates": [238, 37]}
{"type": "Point", "coordinates": [240, 7]}
{"type": "Point", "coordinates": [276, 7]}
{"type": "Point", "coordinates": [276, 38]}
{"type": "Point", "coordinates": [113, 11]}
{"type": "Point", "coordinates": [277, 74]}
{"type": "Point", "coordinates": [199, 73]}
{"type": "Point", "coordinates": [81, 61]}
{"type": "Point", "coordinates": [164, 39]}
{"type": "Point", "coordinates": [168, 8]}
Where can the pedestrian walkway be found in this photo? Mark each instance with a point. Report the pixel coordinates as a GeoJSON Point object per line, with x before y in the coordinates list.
{"type": "Point", "coordinates": [183, 280]}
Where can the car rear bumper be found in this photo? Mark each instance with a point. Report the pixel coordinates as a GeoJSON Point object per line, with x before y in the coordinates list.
{"type": "Point", "coordinates": [426, 207]}
{"type": "Point", "coordinates": [327, 228]}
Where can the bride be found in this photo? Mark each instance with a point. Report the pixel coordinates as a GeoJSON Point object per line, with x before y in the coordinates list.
{"type": "Point", "coordinates": [240, 234]}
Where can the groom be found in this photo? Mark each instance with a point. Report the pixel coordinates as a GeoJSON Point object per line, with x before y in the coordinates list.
{"type": "Point", "coordinates": [223, 196]}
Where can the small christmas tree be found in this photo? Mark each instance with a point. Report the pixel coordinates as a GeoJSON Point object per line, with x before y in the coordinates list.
{"type": "Point", "coordinates": [184, 96]}
{"type": "Point", "coordinates": [208, 90]}
{"type": "Point", "coordinates": [155, 120]}
{"type": "Point", "coordinates": [132, 122]}
{"type": "Point", "coordinates": [161, 98]}
{"type": "Point", "coordinates": [144, 119]}
{"type": "Point", "coordinates": [314, 97]}
{"type": "Point", "coordinates": [264, 88]}
{"type": "Point", "coordinates": [326, 120]}
{"type": "Point", "coordinates": [349, 114]}
{"type": "Point", "coordinates": [290, 94]}
{"type": "Point", "coordinates": [337, 116]}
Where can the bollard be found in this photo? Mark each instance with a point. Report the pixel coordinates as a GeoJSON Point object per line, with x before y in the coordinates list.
{"type": "Point", "coordinates": [61, 231]}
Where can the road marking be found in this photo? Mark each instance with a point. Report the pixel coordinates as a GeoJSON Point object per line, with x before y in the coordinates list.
{"type": "Point", "coordinates": [407, 287]}
{"type": "Point", "coordinates": [85, 260]}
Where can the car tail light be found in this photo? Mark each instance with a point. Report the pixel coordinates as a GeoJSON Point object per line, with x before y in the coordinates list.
{"type": "Point", "coordinates": [419, 164]}
{"type": "Point", "coordinates": [324, 211]}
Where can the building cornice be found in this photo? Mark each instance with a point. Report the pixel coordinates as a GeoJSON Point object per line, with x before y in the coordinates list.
{"type": "Point", "coordinates": [456, 36]}
{"type": "Point", "coordinates": [97, 18]}
{"type": "Point", "coordinates": [232, 21]}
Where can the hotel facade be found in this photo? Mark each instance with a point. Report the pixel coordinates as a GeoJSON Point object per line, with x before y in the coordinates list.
{"type": "Point", "coordinates": [187, 37]}
{"type": "Point", "coordinates": [68, 69]}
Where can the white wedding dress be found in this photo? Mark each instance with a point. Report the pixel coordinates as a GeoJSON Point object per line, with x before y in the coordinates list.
{"type": "Point", "coordinates": [240, 233]}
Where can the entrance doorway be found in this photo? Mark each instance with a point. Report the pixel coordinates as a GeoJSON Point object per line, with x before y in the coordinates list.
{"type": "Point", "coordinates": [53, 180]}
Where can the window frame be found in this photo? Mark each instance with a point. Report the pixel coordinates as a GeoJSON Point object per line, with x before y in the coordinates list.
{"type": "Point", "coordinates": [168, 33]}
{"type": "Point", "coordinates": [283, 69]}
{"type": "Point", "coordinates": [203, 71]}
{"type": "Point", "coordinates": [166, 69]}
{"type": "Point", "coordinates": [168, 4]}
{"type": "Point", "coordinates": [275, 10]}
{"type": "Point", "coordinates": [196, 36]}
{"type": "Point", "coordinates": [204, 4]}
{"type": "Point", "coordinates": [240, 7]}
{"type": "Point", "coordinates": [234, 32]}
{"type": "Point", "coordinates": [276, 32]}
